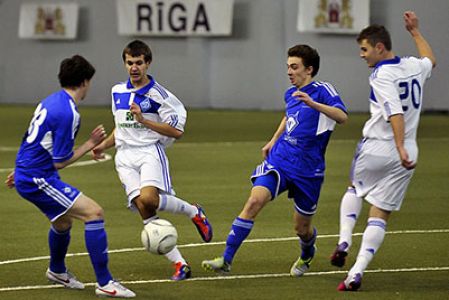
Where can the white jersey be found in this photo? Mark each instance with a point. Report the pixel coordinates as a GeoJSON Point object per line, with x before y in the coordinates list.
{"type": "Point", "coordinates": [157, 104]}
{"type": "Point", "coordinates": [396, 88]}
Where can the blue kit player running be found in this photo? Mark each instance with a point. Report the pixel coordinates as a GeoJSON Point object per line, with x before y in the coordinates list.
{"type": "Point", "coordinates": [48, 146]}
{"type": "Point", "coordinates": [294, 159]}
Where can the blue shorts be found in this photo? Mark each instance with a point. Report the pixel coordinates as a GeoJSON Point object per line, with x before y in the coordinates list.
{"type": "Point", "coordinates": [305, 191]}
{"type": "Point", "coordinates": [51, 195]}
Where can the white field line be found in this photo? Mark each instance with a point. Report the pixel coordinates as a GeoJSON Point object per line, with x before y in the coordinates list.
{"type": "Point", "coordinates": [262, 240]}
{"type": "Point", "coordinates": [232, 277]}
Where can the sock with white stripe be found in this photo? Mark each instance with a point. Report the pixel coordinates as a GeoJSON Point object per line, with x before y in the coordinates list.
{"type": "Point", "coordinates": [372, 239]}
{"type": "Point", "coordinates": [176, 205]}
{"type": "Point", "coordinates": [175, 256]}
{"type": "Point", "coordinates": [97, 246]}
{"type": "Point", "coordinates": [350, 208]}
{"type": "Point", "coordinates": [58, 243]}
{"type": "Point", "coordinates": [239, 232]}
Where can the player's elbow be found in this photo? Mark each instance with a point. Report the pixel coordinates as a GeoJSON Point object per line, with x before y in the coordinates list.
{"type": "Point", "coordinates": [342, 119]}
{"type": "Point", "coordinates": [60, 165]}
{"type": "Point", "coordinates": [178, 134]}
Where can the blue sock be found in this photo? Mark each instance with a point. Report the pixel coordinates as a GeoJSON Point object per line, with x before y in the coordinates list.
{"type": "Point", "coordinates": [97, 246]}
{"type": "Point", "coordinates": [58, 243]}
{"type": "Point", "coordinates": [307, 247]}
{"type": "Point", "coordinates": [239, 232]}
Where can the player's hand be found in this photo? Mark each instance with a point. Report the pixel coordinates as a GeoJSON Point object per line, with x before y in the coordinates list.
{"type": "Point", "coordinates": [411, 21]}
{"type": "Point", "coordinates": [304, 97]}
{"type": "Point", "coordinates": [266, 149]}
{"type": "Point", "coordinates": [97, 135]}
{"type": "Point", "coordinates": [10, 183]}
{"type": "Point", "coordinates": [97, 153]}
{"type": "Point", "coordinates": [405, 162]}
{"type": "Point", "coordinates": [137, 112]}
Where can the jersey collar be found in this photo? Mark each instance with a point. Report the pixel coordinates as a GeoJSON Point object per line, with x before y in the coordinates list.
{"type": "Point", "coordinates": [307, 87]}
{"type": "Point", "coordinates": [391, 61]}
{"type": "Point", "coordinates": [144, 89]}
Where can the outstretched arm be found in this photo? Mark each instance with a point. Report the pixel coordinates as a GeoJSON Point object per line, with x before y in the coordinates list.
{"type": "Point", "coordinates": [96, 137]}
{"type": "Point", "coordinates": [411, 24]}
{"type": "Point", "coordinates": [334, 113]}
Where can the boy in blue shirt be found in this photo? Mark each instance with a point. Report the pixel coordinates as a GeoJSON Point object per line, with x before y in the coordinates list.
{"type": "Point", "coordinates": [47, 147]}
{"type": "Point", "coordinates": [294, 159]}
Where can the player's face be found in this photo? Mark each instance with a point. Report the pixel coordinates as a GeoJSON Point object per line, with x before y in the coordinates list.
{"type": "Point", "coordinates": [137, 69]}
{"type": "Point", "coordinates": [372, 55]}
{"type": "Point", "coordinates": [298, 74]}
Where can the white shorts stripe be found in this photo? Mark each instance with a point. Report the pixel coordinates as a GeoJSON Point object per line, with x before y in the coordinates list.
{"type": "Point", "coordinates": [52, 192]}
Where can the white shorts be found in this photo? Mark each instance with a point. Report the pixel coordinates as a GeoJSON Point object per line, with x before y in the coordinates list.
{"type": "Point", "coordinates": [140, 167]}
{"type": "Point", "coordinates": [377, 173]}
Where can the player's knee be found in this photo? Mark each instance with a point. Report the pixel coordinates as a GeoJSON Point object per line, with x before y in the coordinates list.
{"type": "Point", "coordinates": [95, 213]}
{"type": "Point", "coordinates": [147, 202]}
{"type": "Point", "coordinates": [253, 205]}
{"type": "Point", "coordinates": [62, 224]}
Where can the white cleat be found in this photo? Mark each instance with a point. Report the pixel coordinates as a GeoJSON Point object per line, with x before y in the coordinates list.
{"type": "Point", "coordinates": [67, 279]}
{"type": "Point", "coordinates": [114, 290]}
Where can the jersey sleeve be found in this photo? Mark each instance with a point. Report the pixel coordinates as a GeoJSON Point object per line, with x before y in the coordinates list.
{"type": "Point", "coordinates": [64, 130]}
{"type": "Point", "coordinates": [426, 65]}
{"type": "Point", "coordinates": [172, 112]}
{"type": "Point", "coordinates": [387, 96]}
{"type": "Point", "coordinates": [331, 97]}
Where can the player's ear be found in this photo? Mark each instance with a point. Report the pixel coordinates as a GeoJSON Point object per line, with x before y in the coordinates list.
{"type": "Point", "coordinates": [380, 47]}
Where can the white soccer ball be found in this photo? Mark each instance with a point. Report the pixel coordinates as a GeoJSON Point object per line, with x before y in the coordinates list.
{"type": "Point", "coordinates": [159, 236]}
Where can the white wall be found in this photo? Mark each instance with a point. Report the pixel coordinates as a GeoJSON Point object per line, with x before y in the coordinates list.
{"type": "Point", "coordinates": [246, 70]}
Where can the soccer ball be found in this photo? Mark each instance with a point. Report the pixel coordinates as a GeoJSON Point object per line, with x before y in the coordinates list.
{"type": "Point", "coordinates": [159, 236]}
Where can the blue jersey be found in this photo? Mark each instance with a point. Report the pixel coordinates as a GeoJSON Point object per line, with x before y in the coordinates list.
{"type": "Point", "coordinates": [51, 135]}
{"type": "Point", "coordinates": [300, 149]}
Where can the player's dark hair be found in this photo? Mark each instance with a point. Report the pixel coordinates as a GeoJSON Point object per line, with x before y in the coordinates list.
{"type": "Point", "coordinates": [74, 71]}
{"type": "Point", "coordinates": [375, 34]}
{"type": "Point", "coordinates": [309, 56]}
{"type": "Point", "coordinates": [137, 48]}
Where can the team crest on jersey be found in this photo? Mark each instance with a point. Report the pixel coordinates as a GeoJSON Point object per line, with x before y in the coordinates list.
{"type": "Point", "coordinates": [145, 104]}
{"type": "Point", "coordinates": [292, 122]}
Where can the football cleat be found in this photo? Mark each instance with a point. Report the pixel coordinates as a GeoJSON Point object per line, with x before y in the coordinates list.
{"type": "Point", "coordinates": [338, 258]}
{"type": "Point", "coordinates": [113, 289]}
{"type": "Point", "coordinates": [218, 265]}
{"type": "Point", "coordinates": [67, 279]}
{"type": "Point", "coordinates": [302, 265]}
{"type": "Point", "coordinates": [182, 271]}
{"type": "Point", "coordinates": [351, 283]}
{"type": "Point", "coordinates": [202, 224]}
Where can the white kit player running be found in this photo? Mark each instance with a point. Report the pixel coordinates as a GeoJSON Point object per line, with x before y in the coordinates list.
{"type": "Point", "coordinates": [386, 156]}
{"type": "Point", "coordinates": [148, 118]}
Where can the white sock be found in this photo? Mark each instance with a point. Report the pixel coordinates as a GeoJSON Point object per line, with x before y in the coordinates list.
{"type": "Point", "coordinates": [175, 256]}
{"type": "Point", "coordinates": [175, 205]}
{"type": "Point", "coordinates": [350, 208]}
{"type": "Point", "coordinates": [372, 239]}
